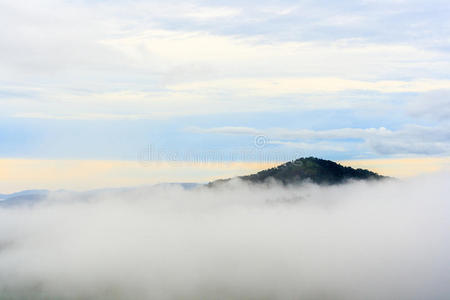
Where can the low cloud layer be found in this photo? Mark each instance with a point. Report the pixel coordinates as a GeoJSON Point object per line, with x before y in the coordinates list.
{"type": "Point", "coordinates": [378, 240]}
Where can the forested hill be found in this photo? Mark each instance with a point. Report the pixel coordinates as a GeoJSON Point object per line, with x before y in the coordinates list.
{"type": "Point", "coordinates": [313, 169]}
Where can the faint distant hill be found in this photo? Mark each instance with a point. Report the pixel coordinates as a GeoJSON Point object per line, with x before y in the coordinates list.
{"type": "Point", "coordinates": [32, 197]}
{"type": "Point", "coordinates": [23, 197]}
{"type": "Point", "coordinates": [311, 169]}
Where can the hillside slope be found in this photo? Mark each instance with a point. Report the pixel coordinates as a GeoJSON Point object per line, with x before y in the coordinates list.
{"type": "Point", "coordinates": [312, 169]}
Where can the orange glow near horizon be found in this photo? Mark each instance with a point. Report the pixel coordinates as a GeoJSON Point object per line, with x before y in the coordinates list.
{"type": "Point", "coordinates": [21, 174]}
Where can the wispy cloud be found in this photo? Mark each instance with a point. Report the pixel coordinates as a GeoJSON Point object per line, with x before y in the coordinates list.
{"type": "Point", "coordinates": [434, 106]}
{"type": "Point", "coordinates": [135, 60]}
{"type": "Point", "coordinates": [410, 139]}
{"type": "Point", "coordinates": [276, 87]}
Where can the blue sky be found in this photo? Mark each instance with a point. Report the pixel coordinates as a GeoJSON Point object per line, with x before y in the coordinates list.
{"type": "Point", "coordinates": [336, 79]}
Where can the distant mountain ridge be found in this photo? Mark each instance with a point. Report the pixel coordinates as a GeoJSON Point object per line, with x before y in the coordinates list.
{"type": "Point", "coordinates": [23, 197]}
{"type": "Point", "coordinates": [316, 170]}
{"type": "Point", "coordinates": [32, 197]}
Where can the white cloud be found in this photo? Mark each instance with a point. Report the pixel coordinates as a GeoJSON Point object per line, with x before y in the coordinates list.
{"type": "Point", "coordinates": [118, 52]}
{"type": "Point", "coordinates": [88, 116]}
{"type": "Point", "coordinates": [276, 87]}
{"type": "Point", "coordinates": [146, 59]}
{"type": "Point", "coordinates": [410, 139]}
{"type": "Point", "coordinates": [311, 147]}
{"type": "Point", "coordinates": [356, 241]}
{"type": "Point", "coordinates": [433, 106]}
{"type": "Point", "coordinates": [208, 13]}
{"type": "Point", "coordinates": [343, 133]}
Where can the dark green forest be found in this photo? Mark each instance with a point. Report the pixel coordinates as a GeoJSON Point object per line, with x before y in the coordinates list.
{"type": "Point", "coordinates": [316, 170]}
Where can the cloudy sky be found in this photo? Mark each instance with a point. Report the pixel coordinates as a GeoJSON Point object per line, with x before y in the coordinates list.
{"type": "Point", "coordinates": [223, 80]}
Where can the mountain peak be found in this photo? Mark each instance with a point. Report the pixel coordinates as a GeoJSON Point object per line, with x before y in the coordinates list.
{"type": "Point", "coordinates": [312, 169]}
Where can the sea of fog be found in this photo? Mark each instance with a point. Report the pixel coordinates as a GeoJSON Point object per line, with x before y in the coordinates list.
{"type": "Point", "coordinates": [362, 240]}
